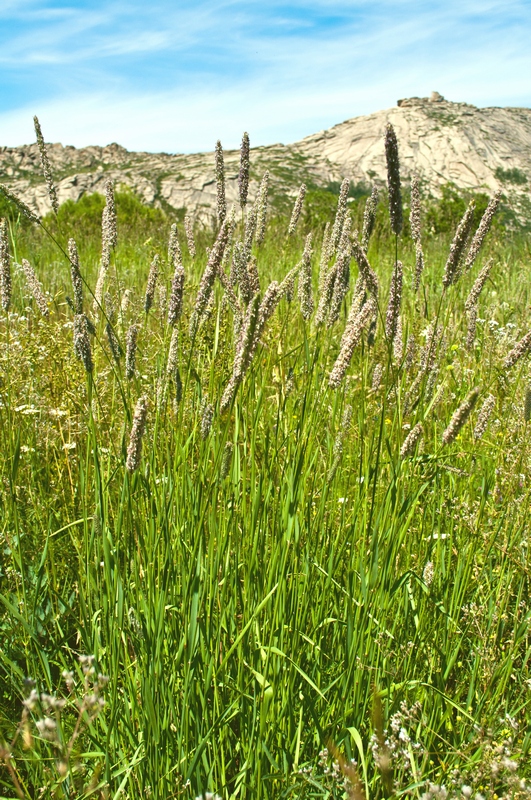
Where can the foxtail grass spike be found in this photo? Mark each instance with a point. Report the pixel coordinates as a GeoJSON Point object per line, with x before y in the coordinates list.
{"type": "Point", "coordinates": [250, 230]}
{"type": "Point", "coordinates": [478, 284]}
{"type": "Point", "coordinates": [75, 274]}
{"type": "Point", "coordinates": [243, 176]}
{"type": "Point", "coordinates": [350, 339]}
{"type": "Point", "coordinates": [414, 212]}
{"type": "Point", "coordinates": [341, 286]}
{"type": "Point", "coordinates": [483, 229]}
{"type": "Point", "coordinates": [395, 301]}
{"type": "Point", "coordinates": [261, 216]}
{"type": "Point", "coordinates": [5, 267]}
{"type": "Point", "coordinates": [305, 280]}
{"type": "Point", "coordinates": [410, 442]}
{"type": "Point", "coordinates": [109, 231]}
{"type": "Point", "coordinates": [190, 240]}
{"type": "Point", "coordinates": [376, 377]}
{"type": "Point", "coordinates": [175, 257]}
{"type": "Point", "coordinates": [393, 180]}
{"type": "Point", "coordinates": [173, 353]}
{"type": "Point", "coordinates": [519, 351]}
{"type": "Point", "coordinates": [369, 276]}
{"type": "Point", "coordinates": [221, 202]}
{"type": "Point", "coordinates": [209, 275]}
{"type": "Point", "coordinates": [82, 347]}
{"type": "Point", "coordinates": [297, 208]}
{"type": "Point", "coordinates": [369, 218]}
{"type": "Point", "coordinates": [527, 404]}
{"type": "Point", "coordinates": [460, 417]}
{"type": "Point", "coordinates": [151, 284]}
{"type": "Point", "coordinates": [175, 305]}
{"type": "Point", "coordinates": [341, 213]}
{"type": "Point", "coordinates": [114, 344]}
{"type": "Point", "coordinates": [419, 266]}
{"type": "Point", "coordinates": [226, 460]}
{"type": "Point", "coordinates": [244, 350]}
{"type": "Point", "coordinates": [207, 415]}
{"type": "Point", "coordinates": [46, 168]}
{"type": "Point", "coordinates": [130, 351]}
{"type": "Point", "coordinates": [452, 270]}
{"type": "Point", "coordinates": [484, 415]}
{"type": "Point", "coordinates": [134, 451]}
{"type": "Point", "coordinates": [35, 287]}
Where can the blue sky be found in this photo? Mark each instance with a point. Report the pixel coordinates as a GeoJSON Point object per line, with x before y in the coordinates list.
{"type": "Point", "coordinates": [175, 76]}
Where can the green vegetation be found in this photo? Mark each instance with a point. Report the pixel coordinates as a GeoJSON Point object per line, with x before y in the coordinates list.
{"type": "Point", "coordinates": [285, 585]}
{"type": "Point", "coordinates": [513, 175]}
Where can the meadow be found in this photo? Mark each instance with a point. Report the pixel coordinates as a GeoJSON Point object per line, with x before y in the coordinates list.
{"type": "Point", "coordinates": [265, 497]}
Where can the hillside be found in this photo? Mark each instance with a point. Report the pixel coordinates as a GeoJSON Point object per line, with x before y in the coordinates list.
{"type": "Point", "coordinates": [478, 149]}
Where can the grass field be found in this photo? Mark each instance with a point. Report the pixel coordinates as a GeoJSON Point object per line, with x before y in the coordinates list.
{"type": "Point", "coordinates": [248, 576]}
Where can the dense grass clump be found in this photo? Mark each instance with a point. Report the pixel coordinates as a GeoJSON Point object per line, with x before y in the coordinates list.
{"type": "Point", "coordinates": [264, 505]}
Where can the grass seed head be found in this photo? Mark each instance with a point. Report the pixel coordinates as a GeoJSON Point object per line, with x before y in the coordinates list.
{"type": "Point", "coordinates": [414, 212]}
{"type": "Point", "coordinates": [261, 216]}
{"type": "Point", "coordinates": [305, 280]}
{"type": "Point", "coordinates": [484, 415]}
{"type": "Point", "coordinates": [82, 347]}
{"type": "Point", "coordinates": [341, 212]}
{"type": "Point", "coordinates": [35, 288]}
{"type": "Point", "coordinates": [369, 218]}
{"type": "Point", "coordinates": [134, 450]}
{"type": "Point", "coordinates": [175, 257]}
{"type": "Point", "coordinates": [26, 210]}
{"type": "Point", "coordinates": [151, 284]}
{"type": "Point", "coordinates": [130, 351]}
{"type": "Point", "coordinates": [519, 351]}
{"type": "Point", "coordinates": [460, 417]}
{"type": "Point", "coordinates": [243, 176]}
{"type": "Point", "coordinates": [175, 305]}
{"type": "Point", "coordinates": [527, 404]}
{"type": "Point", "coordinates": [5, 267]}
{"type": "Point", "coordinates": [207, 415]}
{"type": "Point", "coordinates": [109, 231]}
{"type": "Point", "coordinates": [410, 442]}
{"type": "Point", "coordinates": [46, 168]}
{"type": "Point", "coordinates": [189, 230]}
{"type": "Point", "coordinates": [393, 179]}
{"type": "Point", "coordinates": [452, 269]}
{"type": "Point", "coordinates": [221, 202]}
{"type": "Point", "coordinates": [75, 274]}
{"type": "Point", "coordinates": [297, 208]}
{"type": "Point", "coordinates": [395, 301]}
{"type": "Point", "coordinates": [482, 230]}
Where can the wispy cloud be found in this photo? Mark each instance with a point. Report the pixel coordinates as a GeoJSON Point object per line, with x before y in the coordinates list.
{"type": "Point", "coordinates": [167, 76]}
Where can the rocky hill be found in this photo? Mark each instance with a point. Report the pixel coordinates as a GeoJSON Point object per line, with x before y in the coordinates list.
{"type": "Point", "coordinates": [479, 149]}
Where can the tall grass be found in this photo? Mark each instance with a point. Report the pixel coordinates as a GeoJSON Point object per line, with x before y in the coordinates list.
{"type": "Point", "coordinates": [287, 584]}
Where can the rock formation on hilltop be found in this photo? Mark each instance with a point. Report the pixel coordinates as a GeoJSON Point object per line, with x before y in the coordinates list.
{"type": "Point", "coordinates": [478, 149]}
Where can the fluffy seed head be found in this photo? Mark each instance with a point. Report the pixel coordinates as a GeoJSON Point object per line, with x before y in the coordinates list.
{"type": "Point", "coordinates": [297, 208]}
{"type": "Point", "coordinates": [75, 274]}
{"type": "Point", "coordinates": [305, 280]}
{"type": "Point", "coordinates": [134, 451]}
{"type": "Point", "coordinates": [452, 270]}
{"type": "Point", "coordinates": [221, 203]}
{"type": "Point", "coordinates": [207, 416]}
{"type": "Point", "coordinates": [114, 344]}
{"type": "Point", "coordinates": [369, 218]}
{"type": "Point", "coordinates": [130, 351]}
{"type": "Point", "coordinates": [478, 285]}
{"type": "Point", "coordinates": [175, 257]}
{"type": "Point", "coordinates": [484, 415]}
{"type": "Point", "coordinates": [243, 176]}
{"type": "Point", "coordinates": [460, 416]}
{"type": "Point", "coordinates": [393, 179]}
{"type": "Point", "coordinates": [261, 216]}
{"type": "Point", "coordinates": [482, 230]}
{"type": "Point", "coordinates": [175, 305]}
{"type": "Point", "coordinates": [189, 230]}
{"type": "Point", "coordinates": [341, 212]}
{"type": "Point", "coordinates": [151, 283]}
{"type": "Point", "coordinates": [376, 377]}
{"type": "Point", "coordinates": [527, 404]}
{"type": "Point", "coordinates": [5, 267]}
{"type": "Point", "coordinates": [226, 460]}
{"type": "Point", "coordinates": [414, 212]}
{"type": "Point", "coordinates": [82, 342]}
{"type": "Point", "coordinates": [366, 271]}
{"type": "Point", "coordinates": [109, 233]}
{"type": "Point", "coordinates": [45, 162]}
{"type": "Point", "coordinates": [411, 440]}
{"type": "Point", "coordinates": [519, 350]}
{"type": "Point", "coordinates": [35, 287]}
{"type": "Point", "coordinates": [173, 352]}
{"type": "Point", "coordinates": [349, 341]}
{"type": "Point", "coordinates": [419, 265]}
{"type": "Point", "coordinates": [395, 301]}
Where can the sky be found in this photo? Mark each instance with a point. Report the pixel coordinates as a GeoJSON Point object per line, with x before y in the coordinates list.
{"type": "Point", "coordinates": [176, 76]}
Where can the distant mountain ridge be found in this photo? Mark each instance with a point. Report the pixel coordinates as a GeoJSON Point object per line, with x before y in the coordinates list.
{"type": "Point", "coordinates": [477, 149]}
